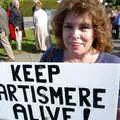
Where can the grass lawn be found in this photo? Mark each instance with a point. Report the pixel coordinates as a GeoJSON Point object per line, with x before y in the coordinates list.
{"type": "Point", "coordinates": [27, 42]}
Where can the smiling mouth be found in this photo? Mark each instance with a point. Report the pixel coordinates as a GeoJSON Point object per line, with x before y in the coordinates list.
{"type": "Point", "coordinates": [74, 45]}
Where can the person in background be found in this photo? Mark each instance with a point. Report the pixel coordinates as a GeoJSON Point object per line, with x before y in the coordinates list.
{"type": "Point", "coordinates": [12, 35]}
{"type": "Point", "coordinates": [33, 9]}
{"type": "Point", "coordinates": [4, 32]}
{"type": "Point", "coordinates": [40, 21]}
{"type": "Point", "coordinates": [16, 18]}
{"type": "Point", "coordinates": [117, 24]}
{"type": "Point", "coordinates": [33, 29]}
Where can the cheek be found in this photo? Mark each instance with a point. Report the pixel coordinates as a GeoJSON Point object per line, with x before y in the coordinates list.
{"type": "Point", "coordinates": [67, 35]}
{"type": "Point", "coordinates": [90, 37]}
{"type": "Point", "coordinates": [66, 39]}
{"type": "Point", "coordinates": [64, 35]}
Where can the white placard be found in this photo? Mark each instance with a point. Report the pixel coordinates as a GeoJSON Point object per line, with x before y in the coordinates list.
{"type": "Point", "coordinates": [58, 91]}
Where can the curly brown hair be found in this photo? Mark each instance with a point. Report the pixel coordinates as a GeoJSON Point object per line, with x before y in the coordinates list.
{"type": "Point", "coordinates": [100, 21]}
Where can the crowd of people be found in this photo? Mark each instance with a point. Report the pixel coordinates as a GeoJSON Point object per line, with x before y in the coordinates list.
{"type": "Point", "coordinates": [15, 23]}
{"type": "Point", "coordinates": [114, 16]}
{"type": "Point", "coordinates": [12, 26]}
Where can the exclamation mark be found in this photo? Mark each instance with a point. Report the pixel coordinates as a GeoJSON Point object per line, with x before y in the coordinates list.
{"type": "Point", "coordinates": [86, 114]}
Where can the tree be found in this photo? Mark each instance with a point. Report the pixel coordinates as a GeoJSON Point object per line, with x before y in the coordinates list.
{"type": "Point", "coordinates": [111, 1]}
{"type": "Point", "coordinates": [117, 2]}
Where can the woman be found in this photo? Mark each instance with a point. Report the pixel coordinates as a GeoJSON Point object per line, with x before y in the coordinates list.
{"type": "Point", "coordinates": [12, 35]}
{"type": "Point", "coordinates": [16, 19]}
{"type": "Point", "coordinates": [84, 34]}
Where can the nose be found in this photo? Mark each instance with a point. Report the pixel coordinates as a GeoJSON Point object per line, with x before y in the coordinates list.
{"type": "Point", "coordinates": [76, 33]}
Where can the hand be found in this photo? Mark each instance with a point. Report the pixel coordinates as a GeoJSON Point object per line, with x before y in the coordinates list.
{"type": "Point", "coordinates": [16, 28]}
{"type": "Point", "coordinates": [118, 114]}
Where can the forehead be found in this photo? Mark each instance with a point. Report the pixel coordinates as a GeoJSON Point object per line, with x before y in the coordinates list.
{"type": "Point", "coordinates": [16, 2]}
{"type": "Point", "coordinates": [75, 18]}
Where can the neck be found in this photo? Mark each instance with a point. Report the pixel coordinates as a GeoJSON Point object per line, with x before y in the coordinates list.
{"type": "Point", "coordinates": [89, 57]}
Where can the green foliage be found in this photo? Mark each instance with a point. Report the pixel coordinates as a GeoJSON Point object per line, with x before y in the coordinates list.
{"type": "Point", "coordinates": [27, 42]}
{"type": "Point", "coordinates": [113, 2]}
{"type": "Point", "coordinates": [49, 4]}
{"type": "Point", "coordinates": [118, 2]}
{"type": "Point", "coordinates": [26, 8]}
{"type": "Point", "coordinates": [26, 5]}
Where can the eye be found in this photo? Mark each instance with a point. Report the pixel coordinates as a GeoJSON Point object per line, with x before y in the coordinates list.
{"type": "Point", "coordinates": [67, 26]}
{"type": "Point", "coordinates": [85, 27]}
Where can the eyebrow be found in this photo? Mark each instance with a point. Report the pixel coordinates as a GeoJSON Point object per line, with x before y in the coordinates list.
{"type": "Point", "coordinates": [81, 24]}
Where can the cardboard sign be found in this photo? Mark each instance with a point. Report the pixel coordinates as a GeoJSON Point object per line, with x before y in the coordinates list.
{"type": "Point", "coordinates": [58, 91]}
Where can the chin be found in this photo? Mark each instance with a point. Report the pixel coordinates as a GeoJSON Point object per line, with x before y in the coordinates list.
{"type": "Point", "coordinates": [78, 50]}
{"type": "Point", "coordinates": [78, 53]}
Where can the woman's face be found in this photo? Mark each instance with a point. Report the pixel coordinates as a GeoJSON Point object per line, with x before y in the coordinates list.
{"type": "Point", "coordinates": [17, 4]}
{"type": "Point", "coordinates": [78, 34]}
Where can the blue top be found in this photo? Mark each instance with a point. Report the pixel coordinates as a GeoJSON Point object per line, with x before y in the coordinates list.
{"type": "Point", "coordinates": [117, 20]}
{"type": "Point", "coordinates": [56, 55]}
